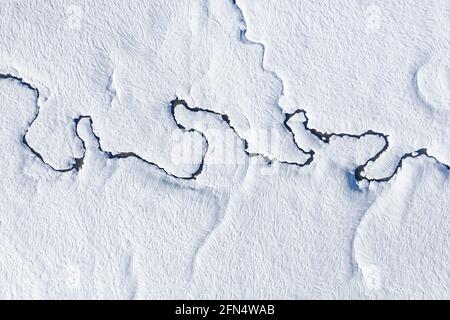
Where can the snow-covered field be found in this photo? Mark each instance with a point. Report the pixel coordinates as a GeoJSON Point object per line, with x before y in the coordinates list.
{"type": "Point", "coordinates": [257, 149]}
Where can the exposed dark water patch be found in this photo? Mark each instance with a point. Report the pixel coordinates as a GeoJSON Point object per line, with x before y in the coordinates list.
{"type": "Point", "coordinates": [125, 155]}
{"type": "Point", "coordinates": [78, 162]}
{"type": "Point", "coordinates": [226, 119]}
{"type": "Point", "coordinates": [359, 171]}
{"type": "Point", "coordinates": [325, 137]}
{"type": "Point", "coordinates": [416, 154]}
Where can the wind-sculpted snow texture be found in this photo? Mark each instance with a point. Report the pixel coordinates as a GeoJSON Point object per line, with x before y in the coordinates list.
{"type": "Point", "coordinates": [222, 149]}
{"type": "Point", "coordinates": [358, 65]}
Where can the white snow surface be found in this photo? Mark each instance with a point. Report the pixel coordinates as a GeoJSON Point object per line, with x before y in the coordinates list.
{"type": "Point", "coordinates": [204, 149]}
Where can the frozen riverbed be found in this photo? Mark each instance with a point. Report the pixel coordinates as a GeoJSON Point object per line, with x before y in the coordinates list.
{"type": "Point", "coordinates": [213, 149]}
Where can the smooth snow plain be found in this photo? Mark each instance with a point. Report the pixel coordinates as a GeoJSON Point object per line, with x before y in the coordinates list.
{"type": "Point", "coordinates": [219, 149]}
